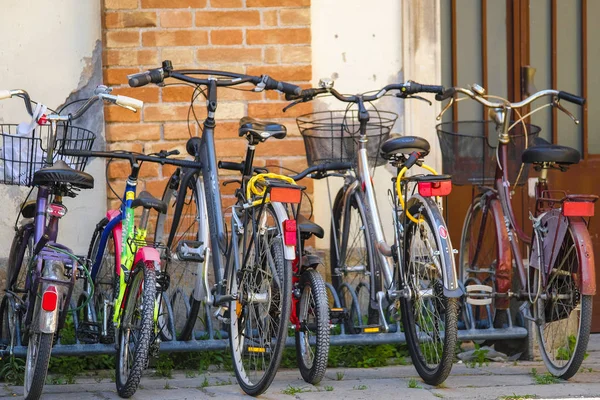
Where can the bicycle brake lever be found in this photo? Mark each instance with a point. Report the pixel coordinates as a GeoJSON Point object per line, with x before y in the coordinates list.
{"type": "Point", "coordinates": [556, 103]}
{"type": "Point", "coordinates": [419, 98]}
{"type": "Point", "coordinates": [292, 104]}
{"type": "Point", "coordinates": [225, 183]}
{"type": "Point", "coordinates": [439, 117]}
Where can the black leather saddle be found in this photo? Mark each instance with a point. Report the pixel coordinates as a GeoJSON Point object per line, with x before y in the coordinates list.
{"type": "Point", "coordinates": [148, 201]}
{"type": "Point", "coordinates": [544, 152]}
{"type": "Point", "coordinates": [404, 145]}
{"type": "Point", "coordinates": [60, 172]}
{"type": "Point", "coordinates": [259, 131]}
{"type": "Point", "coordinates": [307, 227]}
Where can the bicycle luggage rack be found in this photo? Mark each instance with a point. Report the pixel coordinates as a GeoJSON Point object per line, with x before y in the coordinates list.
{"type": "Point", "coordinates": [211, 339]}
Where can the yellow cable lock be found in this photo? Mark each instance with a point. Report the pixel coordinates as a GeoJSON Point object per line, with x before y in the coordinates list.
{"type": "Point", "coordinates": [399, 190]}
{"type": "Point", "coordinates": [261, 179]}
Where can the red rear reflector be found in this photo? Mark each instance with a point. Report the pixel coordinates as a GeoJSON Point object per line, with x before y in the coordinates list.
{"type": "Point", "coordinates": [286, 195]}
{"type": "Point", "coordinates": [578, 209]}
{"type": "Point", "coordinates": [50, 299]}
{"type": "Point", "coordinates": [289, 232]}
{"type": "Point", "coordinates": [439, 188]}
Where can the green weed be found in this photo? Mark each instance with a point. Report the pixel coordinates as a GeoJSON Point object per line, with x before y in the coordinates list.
{"type": "Point", "coordinates": [12, 370]}
{"type": "Point", "coordinates": [413, 384]}
{"type": "Point", "coordinates": [544, 379]}
{"type": "Point", "coordinates": [293, 390]}
{"type": "Point", "coordinates": [339, 376]}
{"type": "Point", "coordinates": [328, 388]}
{"type": "Point", "coordinates": [360, 387]}
{"type": "Point", "coordinates": [518, 397]}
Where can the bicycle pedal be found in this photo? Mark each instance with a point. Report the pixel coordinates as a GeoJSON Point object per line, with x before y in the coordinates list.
{"type": "Point", "coordinates": [88, 332]}
{"type": "Point", "coordinates": [190, 250]}
{"type": "Point", "coordinates": [373, 329]}
{"type": "Point", "coordinates": [338, 315]}
{"type": "Point", "coordinates": [479, 295]}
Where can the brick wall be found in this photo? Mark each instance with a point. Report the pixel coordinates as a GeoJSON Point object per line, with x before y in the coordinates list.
{"type": "Point", "coordinates": [246, 36]}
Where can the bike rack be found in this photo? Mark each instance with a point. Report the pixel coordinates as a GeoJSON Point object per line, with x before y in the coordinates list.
{"type": "Point", "coordinates": [217, 340]}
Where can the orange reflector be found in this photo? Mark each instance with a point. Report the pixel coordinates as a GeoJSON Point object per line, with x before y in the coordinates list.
{"type": "Point", "coordinates": [578, 209]}
{"type": "Point", "coordinates": [256, 350]}
{"type": "Point", "coordinates": [286, 195]}
{"type": "Point", "coordinates": [439, 188]}
{"type": "Point", "coordinates": [289, 232]}
{"type": "Point", "coordinates": [337, 309]}
{"type": "Point", "coordinates": [371, 330]}
{"type": "Point", "coordinates": [50, 299]}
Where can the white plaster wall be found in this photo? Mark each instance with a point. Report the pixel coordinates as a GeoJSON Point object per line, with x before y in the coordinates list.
{"type": "Point", "coordinates": [359, 44]}
{"type": "Point", "coordinates": [46, 49]}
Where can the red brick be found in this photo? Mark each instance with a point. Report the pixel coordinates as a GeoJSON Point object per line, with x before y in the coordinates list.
{"type": "Point", "coordinates": [296, 54]}
{"type": "Point", "coordinates": [120, 4]}
{"type": "Point", "coordinates": [274, 110]}
{"type": "Point", "coordinates": [229, 55]}
{"type": "Point", "coordinates": [165, 112]}
{"type": "Point", "coordinates": [226, 3]}
{"type": "Point", "coordinates": [278, 36]}
{"type": "Point", "coordinates": [179, 131]}
{"type": "Point", "coordinates": [177, 94]}
{"type": "Point", "coordinates": [119, 187]}
{"type": "Point", "coordinates": [269, 18]}
{"type": "Point", "coordinates": [227, 18]}
{"type": "Point", "coordinates": [173, 3]}
{"type": "Point", "coordinates": [226, 37]}
{"type": "Point", "coordinates": [176, 19]}
{"type": "Point", "coordinates": [277, 3]}
{"type": "Point", "coordinates": [125, 146]}
{"type": "Point", "coordinates": [130, 19]}
{"type": "Point", "coordinates": [125, 132]}
{"type": "Point", "coordinates": [272, 55]}
{"type": "Point", "coordinates": [285, 147]}
{"type": "Point", "coordinates": [118, 170]}
{"type": "Point", "coordinates": [131, 57]}
{"type": "Point", "coordinates": [122, 39]}
{"type": "Point", "coordinates": [179, 56]}
{"type": "Point", "coordinates": [231, 148]}
{"type": "Point", "coordinates": [175, 38]}
{"type": "Point", "coordinates": [283, 73]}
{"type": "Point", "coordinates": [119, 114]}
{"type": "Point", "coordinates": [295, 16]}
{"type": "Point", "coordinates": [227, 130]}
{"type": "Point", "coordinates": [118, 76]}
{"type": "Point", "coordinates": [156, 187]}
{"type": "Point", "coordinates": [148, 94]}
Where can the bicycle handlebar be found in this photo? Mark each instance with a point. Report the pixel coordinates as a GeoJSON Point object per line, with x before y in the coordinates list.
{"type": "Point", "coordinates": [451, 92]}
{"type": "Point", "coordinates": [322, 168]}
{"type": "Point", "coordinates": [132, 157]}
{"type": "Point", "coordinates": [263, 82]}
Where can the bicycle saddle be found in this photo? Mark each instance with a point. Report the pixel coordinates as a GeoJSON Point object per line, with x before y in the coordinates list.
{"type": "Point", "coordinates": [308, 227]}
{"type": "Point", "coordinates": [60, 172]}
{"type": "Point", "coordinates": [261, 130]}
{"type": "Point", "coordinates": [544, 152]}
{"type": "Point", "coordinates": [404, 145]}
{"type": "Point", "coordinates": [148, 201]}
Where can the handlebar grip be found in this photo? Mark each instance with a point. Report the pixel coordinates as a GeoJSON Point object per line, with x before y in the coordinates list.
{"type": "Point", "coordinates": [446, 94]}
{"type": "Point", "coordinates": [4, 94]}
{"type": "Point", "coordinates": [152, 76]}
{"type": "Point", "coordinates": [126, 101]}
{"type": "Point", "coordinates": [232, 166]}
{"type": "Point", "coordinates": [335, 166]}
{"type": "Point", "coordinates": [305, 94]}
{"type": "Point", "coordinates": [284, 87]}
{"type": "Point", "coordinates": [571, 98]}
{"type": "Point", "coordinates": [76, 153]}
{"type": "Point", "coordinates": [428, 88]}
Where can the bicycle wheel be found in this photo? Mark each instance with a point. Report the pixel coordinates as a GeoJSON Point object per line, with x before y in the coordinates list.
{"type": "Point", "coordinates": [181, 222]}
{"type": "Point", "coordinates": [36, 364]}
{"type": "Point", "coordinates": [106, 285]}
{"type": "Point", "coordinates": [313, 314]}
{"type": "Point", "coordinates": [259, 318]}
{"type": "Point", "coordinates": [429, 318]}
{"type": "Point", "coordinates": [565, 313]}
{"type": "Point", "coordinates": [352, 262]}
{"type": "Point", "coordinates": [478, 257]}
{"type": "Point", "coordinates": [135, 329]}
{"type": "Point", "coordinates": [21, 251]}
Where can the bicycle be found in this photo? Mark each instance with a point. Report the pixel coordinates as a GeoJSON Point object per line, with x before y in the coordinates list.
{"type": "Point", "coordinates": [311, 316]}
{"type": "Point", "coordinates": [41, 272]}
{"type": "Point", "coordinates": [253, 286]}
{"type": "Point", "coordinates": [130, 310]}
{"type": "Point", "coordinates": [557, 278]}
{"type": "Point", "coordinates": [422, 280]}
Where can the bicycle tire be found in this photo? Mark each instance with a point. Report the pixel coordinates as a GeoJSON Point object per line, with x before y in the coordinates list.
{"type": "Point", "coordinates": [38, 353]}
{"type": "Point", "coordinates": [313, 315]}
{"type": "Point", "coordinates": [106, 284]}
{"type": "Point", "coordinates": [363, 313]}
{"type": "Point", "coordinates": [424, 277]}
{"type": "Point", "coordinates": [128, 375]}
{"type": "Point", "coordinates": [21, 247]}
{"type": "Point", "coordinates": [181, 272]}
{"type": "Point", "coordinates": [563, 354]}
{"type": "Point", "coordinates": [267, 340]}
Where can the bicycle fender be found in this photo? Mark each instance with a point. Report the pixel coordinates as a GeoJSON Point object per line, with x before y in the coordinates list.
{"type": "Point", "coordinates": [450, 277]}
{"type": "Point", "coordinates": [48, 320]}
{"type": "Point", "coordinates": [289, 251]}
{"type": "Point", "coordinates": [585, 250]}
{"type": "Point", "coordinates": [147, 255]}
{"type": "Point", "coordinates": [117, 234]}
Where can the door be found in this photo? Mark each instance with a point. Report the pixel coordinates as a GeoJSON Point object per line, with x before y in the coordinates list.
{"type": "Point", "coordinates": [497, 43]}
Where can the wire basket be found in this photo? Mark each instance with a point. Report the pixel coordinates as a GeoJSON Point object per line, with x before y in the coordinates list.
{"type": "Point", "coordinates": [469, 151]}
{"type": "Point", "coordinates": [22, 156]}
{"type": "Point", "coordinates": [332, 136]}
